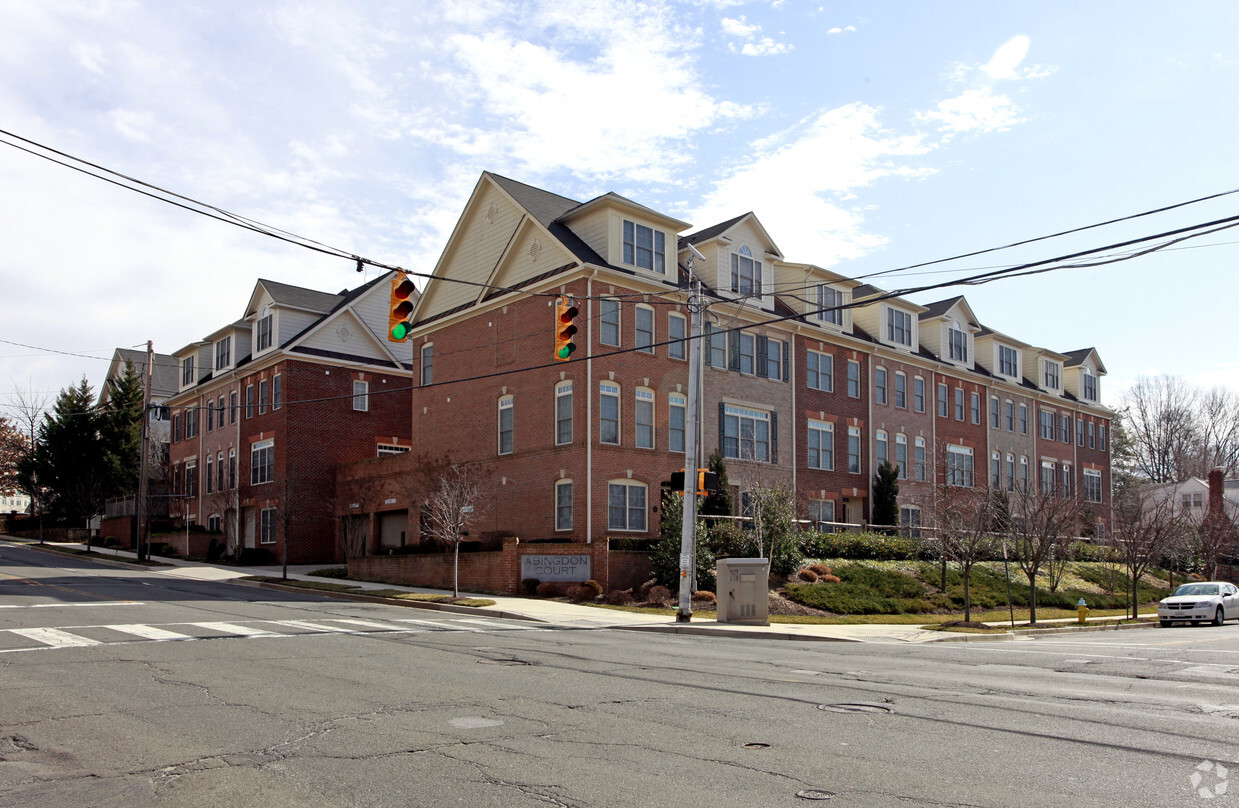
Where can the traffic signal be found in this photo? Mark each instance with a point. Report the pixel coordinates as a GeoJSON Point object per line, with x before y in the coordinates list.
{"type": "Point", "coordinates": [707, 481]}
{"type": "Point", "coordinates": [564, 329]}
{"type": "Point", "coordinates": [400, 308]}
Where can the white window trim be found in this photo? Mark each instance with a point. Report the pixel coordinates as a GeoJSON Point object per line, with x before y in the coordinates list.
{"type": "Point", "coordinates": [571, 505]}
{"type": "Point", "coordinates": [361, 400]}
{"type": "Point", "coordinates": [505, 404]}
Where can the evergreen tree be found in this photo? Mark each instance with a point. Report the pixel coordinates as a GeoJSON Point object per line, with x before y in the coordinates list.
{"type": "Point", "coordinates": [69, 458]}
{"type": "Point", "coordinates": [120, 430]}
{"type": "Point", "coordinates": [666, 558]}
{"type": "Point", "coordinates": [885, 494]}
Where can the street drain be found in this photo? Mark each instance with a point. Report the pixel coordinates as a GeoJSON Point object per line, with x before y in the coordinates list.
{"type": "Point", "coordinates": [815, 794]}
{"type": "Point", "coordinates": [502, 662]}
{"type": "Point", "coordinates": [757, 745]}
{"type": "Point", "coordinates": [855, 707]}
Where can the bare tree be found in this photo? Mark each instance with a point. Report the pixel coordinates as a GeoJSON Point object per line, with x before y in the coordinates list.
{"type": "Point", "coordinates": [965, 520]}
{"type": "Point", "coordinates": [1209, 535]}
{"type": "Point", "coordinates": [1145, 529]}
{"type": "Point", "coordinates": [1044, 519]}
{"type": "Point", "coordinates": [1161, 424]}
{"type": "Point", "coordinates": [453, 507]}
{"type": "Point", "coordinates": [353, 505]}
{"type": "Point", "coordinates": [1218, 423]}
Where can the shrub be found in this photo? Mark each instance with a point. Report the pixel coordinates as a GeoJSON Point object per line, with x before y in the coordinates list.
{"type": "Point", "coordinates": [581, 593]}
{"type": "Point", "coordinates": [821, 569]}
{"type": "Point", "coordinates": [659, 594]}
{"type": "Point", "coordinates": [549, 589]}
{"type": "Point", "coordinates": [331, 572]}
{"type": "Point", "coordinates": [807, 575]}
{"type": "Point", "coordinates": [828, 579]}
{"type": "Point", "coordinates": [530, 586]}
{"type": "Point", "coordinates": [595, 587]}
{"type": "Point", "coordinates": [643, 591]}
{"type": "Point", "coordinates": [620, 597]}
{"type": "Point", "coordinates": [875, 546]}
{"type": "Point", "coordinates": [705, 596]}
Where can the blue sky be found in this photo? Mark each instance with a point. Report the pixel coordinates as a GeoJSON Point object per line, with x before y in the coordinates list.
{"type": "Point", "coordinates": [864, 136]}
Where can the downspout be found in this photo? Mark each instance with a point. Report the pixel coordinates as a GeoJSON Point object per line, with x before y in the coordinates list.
{"type": "Point", "coordinates": [589, 409]}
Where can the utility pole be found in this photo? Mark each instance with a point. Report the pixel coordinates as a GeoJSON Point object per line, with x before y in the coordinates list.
{"type": "Point", "coordinates": [139, 510]}
{"type": "Point", "coordinates": [688, 526]}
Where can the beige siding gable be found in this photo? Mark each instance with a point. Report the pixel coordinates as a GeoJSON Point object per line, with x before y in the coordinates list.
{"type": "Point", "coordinates": [346, 333]}
{"type": "Point", "coordinates": [532, 252]}
{"type": "Point", "coordinates": [594, 228]}
{"type": "Point", "coordinates": [482, 235]}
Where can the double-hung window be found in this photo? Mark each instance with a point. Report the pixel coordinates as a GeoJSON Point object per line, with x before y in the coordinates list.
{"type": "Point", "coordinates": [975, 407]}
{"type": "Point", "coordinates": [1008, 362]}
{"type": "Point", "coordinates": [626, 506]}
{"type": "Point", "coordinates": [277, 391]}
{"type": "Point", "coordinates": [745, 273]}
{"type": "Point", "coordinates": [901, 390]}
{"type": "Point", "coordinates": [187, 371]}
{"type": "Point", "coordinates": [957, 342]}
{"type": "Point", "coordinates": [853, 378]}
{"type": "Point", "coordinates": [959, 403]}
{"type": "Point", "coordinates": [232, 407]}
{"type": "Point", "coordinates": [994, 412]}
{"type": "Point", "coordinates": [361, 396]}
{"type": "Point", "coordinates": [676, 330]}
{"type": "Point", "coordinates": [1089, 386]}
{"type": "Point", "coordinates": [643, 316]}
{"type": "Point", "coordinates": [643, 409]}
{"type": "Point", "coordinates": [563, 505]}
{"type": "Point", "coordinates": [507, 425]}
{"type": "Point", "coordinates": [918, 394]}
{"type": "Point", "coordinates": [1052, 375]}
{"type": "Point", "coordinates": [880, 444]}
{"type": "Point", "coordinates": [223, 353]}
{"type": "Point", "coordinates": [1009, 411]}
{"type": "Point", "coordinates": [1023, 419]}
{"type": "Point", "coordinates": [746, 433]}
{"type": "Point", "coordinates": [210, 474]}
{"type": "Point", "coordinates": [959, 466]}
{"type": "Point", "coordinates": [829, 304]}
{"type": "Point", "coordinates": [821, 445]}
{"type": "Point", "coordinates": [677, 410]}
{"type": "Point", "coordinates": [898, 327]}
{"type": "Point", "coordinates": [645, 247]}
{"type": "Point", "coordinates": [921, 470]}
{"type": "Point", "coordinates": [266, 526]}
{"type": "Point", "coordinates": [1092, 485]}
{"type": "Point", "coordinates": [853, 450]}
{"type": "Point", "coordinates": [901, 455]}
{"type": "Point", "coordinates": [609, 321]}
{"type": "Point", "coordinates": [942, 401]}
{"type": "Point", "coordinates": [1046, 430]}
{"type": "Point", "coordinates": [608, 413]}
{"type": "Point", "coordinates": [819, 371]}
{"type": "Point", "coordinates": [262, 396]}
{"type": "Point", "coordinates": [716, 347]}
{"type": "Point", "coordinates": [746, 350]}
{"type": "Point", "coordinates": [262, 337]}
{"type": "Point", "coordinates": [262, 462]}
{"type": "Point", "coordinates": [428, 364]}
{"type": "Point", "coordinates": [879, 385]}
{"type": "Point", "coordinates": [563, 413]}
{"type": "Point", "coordinates": [1010, 472]}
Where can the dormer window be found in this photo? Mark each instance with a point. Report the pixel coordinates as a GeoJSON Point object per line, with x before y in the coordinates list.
{"type": "Point", "coordinates": [187, 371]}
{"type": "Point", "coordinates": [745, 273]}
{"type": "Point", "coordinates": [1052, 375]}
{"type": "Point", "coordinates": [644, 247]}
{"type": "Point", "coordinates": [1008, 362]}
{"type": "Point", "coordinates": [223, 353]}
{"type": "Point", "coordinates": [262, 337]}
{"type": "Point", "coordinates": [957, 343]}
{"type": "Point", "coordinates": [1088, 385]}
{"type": "Point", "coordinates": [829, 304]}
{"type": "Point", "coordinates": [899, 327]}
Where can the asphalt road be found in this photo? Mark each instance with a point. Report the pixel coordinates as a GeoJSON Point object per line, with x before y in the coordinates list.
{"type": "Point", "coordinates": [131, 688]}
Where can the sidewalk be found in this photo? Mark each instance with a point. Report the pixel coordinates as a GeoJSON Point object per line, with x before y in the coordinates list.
{"type": "Point", "coordinates": [550, 611]}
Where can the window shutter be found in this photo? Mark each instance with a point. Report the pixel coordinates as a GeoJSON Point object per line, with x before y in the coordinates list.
{"type": "Point", "coordinates": [774, 437]}
{"type": "Point", "coordinates": [762, 355]}
{"type": "Point", "coordinates": [722, 428]}
{"type": "Point", "coordinates": [733, 341]}
{"type": "Point", "coordinates": [757, 278]}
{"type": "Point", "coordinates": [735, 272]}
{"type": "Point", "coordinates": [787, 360]}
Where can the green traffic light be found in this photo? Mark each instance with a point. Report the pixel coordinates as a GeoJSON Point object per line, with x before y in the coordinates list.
{"type": "Point", "coordinates": [400, 331]}
{"type": "Point", "coordinates": [563, 352]}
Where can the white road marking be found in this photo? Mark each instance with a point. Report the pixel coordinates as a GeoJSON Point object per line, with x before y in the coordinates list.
{"type": "Point", "coordinates": [441, 626]}
{"type": "Point", "coordinates": [233, 628]}
{"type": "Point", "coordinates": [367, 624]}
{"type": "Point", "coordinates": [54, 638]}
{"type": "Point", "coordinates": [505, 626]}
{"type": "Point", "coordinates": [150, 632]}
{"type": "Point", "coordinates": [61, 605]}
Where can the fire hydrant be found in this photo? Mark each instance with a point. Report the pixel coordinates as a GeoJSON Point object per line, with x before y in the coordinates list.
{"type": "Point", "coordinates": [1082, 610]}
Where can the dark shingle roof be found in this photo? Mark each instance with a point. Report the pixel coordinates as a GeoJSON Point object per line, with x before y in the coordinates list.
{"type": "Point", "coordinates": [1077, 356]}
{"type": "Point", "coordinates": [939, 307]}
{"type": "Point", "coordinates": [713, 230]}
{"type": "Point", "coordinates": [547, 208]}
{"type": "Point", "coordinates": [299, 297]}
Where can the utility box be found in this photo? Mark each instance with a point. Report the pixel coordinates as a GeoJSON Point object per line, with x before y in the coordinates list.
{"type": "Point", "coordinates": [743, 590]}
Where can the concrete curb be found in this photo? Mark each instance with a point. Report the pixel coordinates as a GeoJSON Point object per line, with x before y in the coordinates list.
{"type": "Point", "coordinates": [1036, 632]}
{"type": "Point", "coordinates": [362, 597]}
{"type": "Point", "coordinates": [735, 632]}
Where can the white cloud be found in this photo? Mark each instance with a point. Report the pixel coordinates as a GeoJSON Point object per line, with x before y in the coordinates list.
{"type": "Point", "coordinates": [846, 29]}
{"type": "Point", "coordinates": [799, 180]}
{"type": "Point", "coordinates": [738, 27]}
{"type": "Point", "coordinates": [1003, 64]}
{"type": "Point", "coordinates": [973, 111]}
{"type": "Point", "coordinates": [132, 124]}
{"type": "Point", "coordinates": [765, 47]}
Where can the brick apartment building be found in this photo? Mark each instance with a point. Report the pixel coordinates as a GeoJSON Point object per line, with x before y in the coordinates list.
{"type": "Point", "coordinates": [267, 406]}
{"type": "Point", "coordinates": [804, 382]}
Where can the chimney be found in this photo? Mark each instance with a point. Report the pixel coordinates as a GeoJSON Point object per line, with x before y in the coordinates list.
{"type": "Point", "coordinates": [1217, 485]}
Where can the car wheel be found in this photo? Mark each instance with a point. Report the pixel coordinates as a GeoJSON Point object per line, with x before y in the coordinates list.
{"type": "Point", "coordinates": [1220, 617]}
{"type": "Point", "coordinates": [1195, 622]}
{"type": "Point", "coordinates": [1165, 624]}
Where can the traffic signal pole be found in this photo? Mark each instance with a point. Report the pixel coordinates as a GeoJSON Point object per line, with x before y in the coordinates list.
{"type": "Point", "coordinates": [688, 554]}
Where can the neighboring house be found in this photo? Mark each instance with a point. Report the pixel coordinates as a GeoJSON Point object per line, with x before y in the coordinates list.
{"type": "Point", "coordinates": [1208, 505]}
{"type": "Point", "coordinates": [267, 406]}
{"type": "Point", "coordinates": [119, 511]}
{"type": "Point", "coordinates": [804, 383]}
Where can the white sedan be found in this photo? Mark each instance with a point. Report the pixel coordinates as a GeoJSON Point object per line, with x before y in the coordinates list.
{"type": "Point", "coordinates": [1211, 600]}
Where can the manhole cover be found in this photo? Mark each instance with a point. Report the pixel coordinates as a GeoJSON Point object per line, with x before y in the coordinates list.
{"type": "Point", "coordinates": [815, 794]}
{"type": "Point", "coordinates": [757, 745]}
{"type": "Point", "coordinates": [502, 662]}
{"type": "Point", "coordinates": [855, 707]}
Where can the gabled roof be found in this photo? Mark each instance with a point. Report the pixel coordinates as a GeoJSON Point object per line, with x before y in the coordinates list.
{"type": "Point", "coordinates": [164, 376]}
{"type": "Point", "coordinates": [714, 231]}
{"type": "Point", "coordinates": [296, 297]}
{"type": "Point", "coordinates": [342, 300]}
{"type": "Point", "coordinates": [941, 308]}
{"type": "Point", "coordinates": [1077, 357]}
{"type": "Point", "coordinates": [547, 209]}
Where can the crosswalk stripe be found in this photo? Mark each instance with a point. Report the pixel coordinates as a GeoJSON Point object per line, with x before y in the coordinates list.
{"type": "Point", "coordinates": [233, 628]}
{"type": "Point", "coordinates": [368, 624]}
{"type": "Point", "coordinates": [441, 626]}
{"type": "Point", "coordinates": [505, 626]}
{"type": "Point", "coordinates": [54, 637]}
{"type": "Point", "coordinates": [150, 632]}
{"type": "Point", "coordinates": [321, 628]}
